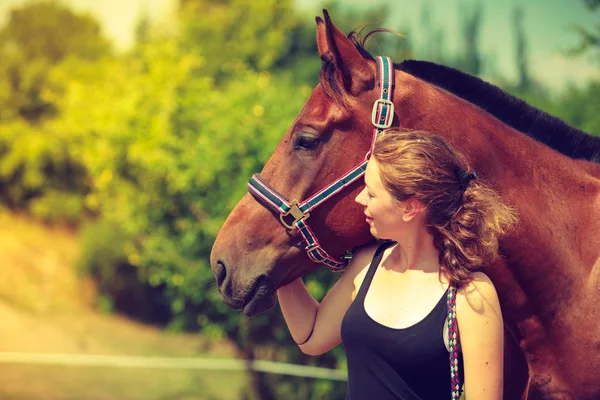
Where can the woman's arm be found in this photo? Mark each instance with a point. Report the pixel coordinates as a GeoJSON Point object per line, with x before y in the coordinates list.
{"type": "Point", "coordinates": [481, 333]}
{"type": "Point", "coordinates": [317, 327]}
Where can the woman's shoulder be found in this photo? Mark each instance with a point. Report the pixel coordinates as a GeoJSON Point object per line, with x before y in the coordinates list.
{"type": "Point", "coordinates": [479, 295]}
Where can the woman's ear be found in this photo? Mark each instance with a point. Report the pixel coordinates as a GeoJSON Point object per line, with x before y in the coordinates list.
{"type": "Point", "coordinates": [412, 208]}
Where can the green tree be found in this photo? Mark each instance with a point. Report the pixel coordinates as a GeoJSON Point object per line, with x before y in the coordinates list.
{"type": "Point", "coordinates": [521, 50]}
{"type": "Point", "coordinates": [38, 36]}
{"type": "Point", "coordinates": [589, 40]}
{"type": "Point", "coordinates": [234, 34]}
{"type": "Point", "coordinates": [37, 169]}
{"type": "Point", "coordinates": [471, 21]}
{"type": "Point", "coordinates": [579, 107]}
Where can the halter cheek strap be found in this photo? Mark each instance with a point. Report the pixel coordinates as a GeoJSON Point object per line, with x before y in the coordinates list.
{"type": "Point", "coordinates": [383, 108]}
{"type": "Point", "coordinates": [293, 214]}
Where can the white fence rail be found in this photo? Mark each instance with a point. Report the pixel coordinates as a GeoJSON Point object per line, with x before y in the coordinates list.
{"type": "Point", "coordinates": [214, 364]}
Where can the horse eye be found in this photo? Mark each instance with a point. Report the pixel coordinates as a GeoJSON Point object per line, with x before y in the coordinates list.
{"type": "Point", "coordinates": [305, 142]}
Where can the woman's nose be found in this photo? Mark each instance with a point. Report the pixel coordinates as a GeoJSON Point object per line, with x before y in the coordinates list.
{"type": "Point", "coordinates": [360, 199]}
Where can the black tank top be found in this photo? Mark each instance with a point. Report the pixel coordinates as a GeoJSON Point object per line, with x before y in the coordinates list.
{"type": "Point", "coordinates": [387, 363]}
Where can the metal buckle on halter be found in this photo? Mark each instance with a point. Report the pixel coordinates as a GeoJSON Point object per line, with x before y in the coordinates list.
{"type": "Point", "coordinates": [374, 119]}
{"type": "Point", "coordinates": [295, 212]}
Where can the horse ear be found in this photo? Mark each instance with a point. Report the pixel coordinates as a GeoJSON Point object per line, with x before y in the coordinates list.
{"type": "Point", "coordinates": [352, 68]}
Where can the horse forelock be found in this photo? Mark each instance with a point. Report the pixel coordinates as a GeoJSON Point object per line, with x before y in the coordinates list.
{"type": "Point", "coordinates": [330, 82]}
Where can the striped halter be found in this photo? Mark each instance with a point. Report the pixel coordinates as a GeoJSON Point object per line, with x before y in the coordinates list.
{"type": "Point", "coordinates": [293, 214]}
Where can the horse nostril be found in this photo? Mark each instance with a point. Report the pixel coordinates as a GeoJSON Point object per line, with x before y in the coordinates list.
{"type": "Point", "coordinates": [220, 273]}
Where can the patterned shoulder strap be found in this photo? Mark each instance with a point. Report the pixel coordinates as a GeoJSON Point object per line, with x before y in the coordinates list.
{"type": "Point", "coordinates": [453, 343]}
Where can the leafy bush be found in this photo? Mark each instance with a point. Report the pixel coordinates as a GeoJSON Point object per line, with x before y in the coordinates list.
{"type": "Point", "coordinates": [121, 284]}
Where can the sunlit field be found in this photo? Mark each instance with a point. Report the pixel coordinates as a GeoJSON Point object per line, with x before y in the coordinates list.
{"type": "Point", "coordinates": [46, 308]}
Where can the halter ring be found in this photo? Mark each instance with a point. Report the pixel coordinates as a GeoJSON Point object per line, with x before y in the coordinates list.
{"type": "Point", "coordinates": [295, 212]}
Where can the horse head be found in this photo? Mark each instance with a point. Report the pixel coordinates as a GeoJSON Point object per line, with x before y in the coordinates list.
{"type": "Point", "coordinates": [254, 252]}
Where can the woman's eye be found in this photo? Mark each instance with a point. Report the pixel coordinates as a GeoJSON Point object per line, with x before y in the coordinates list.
{"type": "Point", "coordinates": [306, 143]}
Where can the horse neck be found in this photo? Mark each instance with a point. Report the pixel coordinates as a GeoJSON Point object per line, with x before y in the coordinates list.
{"type": "Point", "coordinates": [535, 179]}
{"type": "Point", "coordinates": [592, 168]}
{"type": "Point", "coordinates": [495, 148]}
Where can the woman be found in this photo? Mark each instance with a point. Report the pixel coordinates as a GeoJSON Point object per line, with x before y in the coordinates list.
{"type": "Point", "coordinates": [389, 308]}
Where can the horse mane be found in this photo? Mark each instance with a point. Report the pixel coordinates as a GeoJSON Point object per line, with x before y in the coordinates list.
{"type": "Point", "coordinates": [512, 111]}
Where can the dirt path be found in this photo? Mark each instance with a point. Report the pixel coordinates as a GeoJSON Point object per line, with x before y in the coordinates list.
{"type": "Point", "coordinates": [46, 308]}
{"type": "Point", "coordinates": [89, 333]}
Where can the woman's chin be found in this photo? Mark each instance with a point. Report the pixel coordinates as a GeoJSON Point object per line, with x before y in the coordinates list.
{"type": "Point", "coordinates": [373, 231]}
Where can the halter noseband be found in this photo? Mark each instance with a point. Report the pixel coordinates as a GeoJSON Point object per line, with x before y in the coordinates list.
{"type": "Point", "coordinates": [293, 214]}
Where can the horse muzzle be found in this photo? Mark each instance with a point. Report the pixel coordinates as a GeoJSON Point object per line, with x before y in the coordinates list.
{"type": "Point", "coordinates": [252, 298]}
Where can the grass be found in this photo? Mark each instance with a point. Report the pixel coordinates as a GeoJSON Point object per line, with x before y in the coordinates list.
{"type": "Point", "coordinates": [36, 273]}
{"type": "Point", "coordinates": [45, 307]}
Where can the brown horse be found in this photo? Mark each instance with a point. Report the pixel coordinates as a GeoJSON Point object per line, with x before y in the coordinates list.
{"type": "Point", "coordinates": [549, 278]}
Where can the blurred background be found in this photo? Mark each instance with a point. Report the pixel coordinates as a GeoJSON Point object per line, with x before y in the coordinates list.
{"type": "Point", "coordinates": [128, 131]}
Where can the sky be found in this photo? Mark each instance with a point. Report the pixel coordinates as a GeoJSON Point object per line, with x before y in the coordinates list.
{"type": "Point", "coordinates": [548, 28]}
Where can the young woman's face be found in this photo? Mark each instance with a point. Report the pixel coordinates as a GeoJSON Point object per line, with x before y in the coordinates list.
{"type": "Point", "coordinates": [383, 213]}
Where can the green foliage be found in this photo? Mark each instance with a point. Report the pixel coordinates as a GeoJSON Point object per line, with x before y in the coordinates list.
{"type": "Point", "coordinates": [589, 40]}
{"type": "Point", "coordinates": [38, 36]}
{"type": "Point", "coordinates": [470, 58]}
{"type": "Point", "coordinates": [236, 34]}
{"type": "Point", "coordinates": [102, 251]}
{"type": "Point", "coordinates": [38, 169]}
{"type": "Point", "coordinates": [58, 205]}
{"type": "Point", "coordinates": [51, 31]}
{"type": "Point", "coordinates": [579, 107]}
{"type": "Point", "coordinates": [576, 106]}
{"type": "Point", "coordinates": [121, 285]}
{"type": "Point", "coordinates": [525, 82]}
